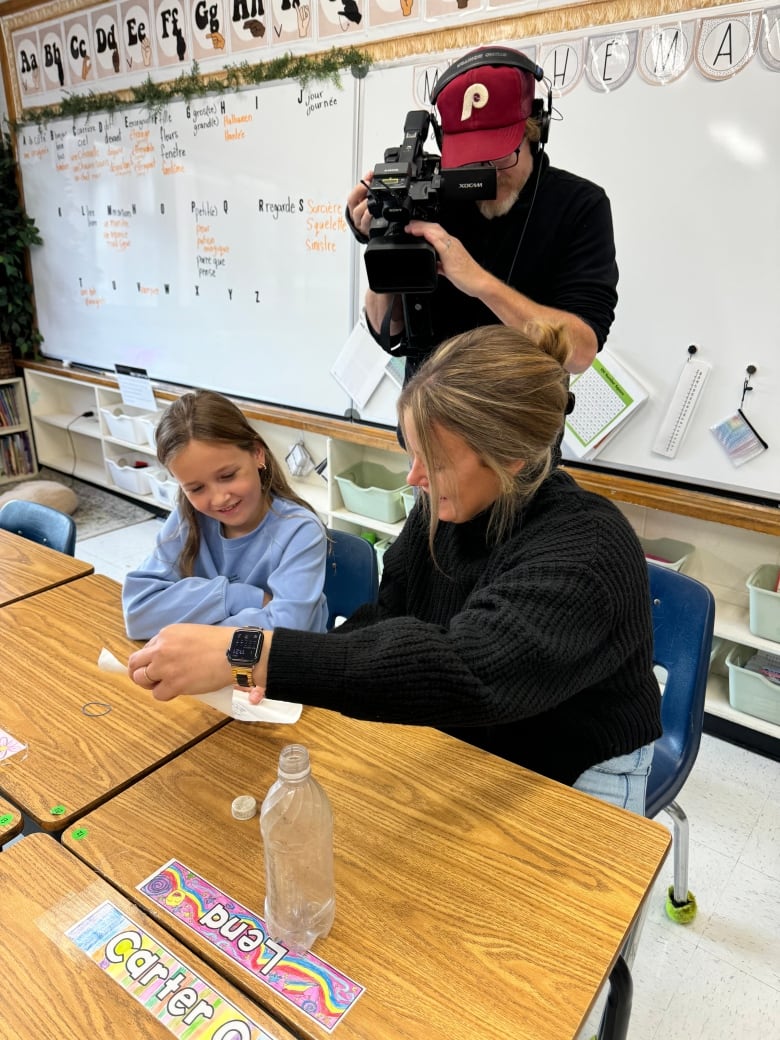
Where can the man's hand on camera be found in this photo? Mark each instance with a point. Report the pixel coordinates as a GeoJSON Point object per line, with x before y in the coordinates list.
{"type": "Point", "coordinates": [357, 206]}
{"type": "Point", "coordinates": [455, 262]}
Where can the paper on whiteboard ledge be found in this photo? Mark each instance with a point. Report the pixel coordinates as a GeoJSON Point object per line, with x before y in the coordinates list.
{"type": "Point", "coordinates": [227, 700]}
{"type": "Point", "coordinates": [360, 366]}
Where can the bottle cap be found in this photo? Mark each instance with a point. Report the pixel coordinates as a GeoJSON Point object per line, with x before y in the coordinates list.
{"type": "Point", "coordinates": [244, 807]}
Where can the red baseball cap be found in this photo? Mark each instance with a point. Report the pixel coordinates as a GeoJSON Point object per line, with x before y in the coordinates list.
{"type": "Point", "coordinates": [483, 113]}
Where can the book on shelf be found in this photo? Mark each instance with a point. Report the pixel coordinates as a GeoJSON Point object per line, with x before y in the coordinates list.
{"type": "Point", "coordinates": [605, 396]}
{"type": "Point", "coordinates": [15, 455]}
{"type": "Point", "coordinates": [9, 411]}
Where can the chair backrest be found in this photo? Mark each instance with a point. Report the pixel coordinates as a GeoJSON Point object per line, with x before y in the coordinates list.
{"type": "Point", "coordinates": [40, 524]}
{"type": "Point", "coordinates": [351, 575]}
{"type": "Point", "coordinates": [683, 621]}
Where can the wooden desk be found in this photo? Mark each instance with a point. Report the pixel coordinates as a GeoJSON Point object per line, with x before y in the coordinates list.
{"type": "Point", "coordinates": [474, 899]}
{"type": "Point", "coordinates": [51, 987]}
{"type": "Point", "coordinates": [10, 822]}
{"type": "Point", "coordinates": [27, 568]}
{"type": "Point", "coordinates": [88, 733]}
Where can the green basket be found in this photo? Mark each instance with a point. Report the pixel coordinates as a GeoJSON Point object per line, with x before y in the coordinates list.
{"type": "Point", "coordinates": [372, 490]}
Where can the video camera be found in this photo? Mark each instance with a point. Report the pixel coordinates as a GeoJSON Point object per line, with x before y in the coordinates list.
{"type": "Point", "coordinates": [410, 185]}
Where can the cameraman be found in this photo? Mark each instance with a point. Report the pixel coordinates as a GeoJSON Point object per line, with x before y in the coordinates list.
{"type": "Point", "coordinates": [542, 250]}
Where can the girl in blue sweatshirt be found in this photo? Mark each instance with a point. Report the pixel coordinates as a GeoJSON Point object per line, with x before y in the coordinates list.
{"type": "Point", "coordinates": [240, 548]}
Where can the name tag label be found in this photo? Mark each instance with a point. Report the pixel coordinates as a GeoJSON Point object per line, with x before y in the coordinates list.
{"type": "Point", "coordinates": [176, 995]}
{"type": "Point", "coordinates": [309, 983]}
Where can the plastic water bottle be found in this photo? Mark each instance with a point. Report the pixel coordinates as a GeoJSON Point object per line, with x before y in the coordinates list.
{"type": "Point", "coordinates": [296, 822]}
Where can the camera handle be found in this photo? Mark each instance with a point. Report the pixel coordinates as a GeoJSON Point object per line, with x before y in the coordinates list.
{"type": "Point", "coordinates": [417, 338]}
{"type": "Point", "coordinates": [417, 319]}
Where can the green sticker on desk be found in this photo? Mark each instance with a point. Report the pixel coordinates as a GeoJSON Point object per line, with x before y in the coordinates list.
{"type": "Point", "coordinates": [58, 810]}
{"type": "Point", "coordinates": [5, 819]}
{"type": "Point", "coordinates": [79, 833]}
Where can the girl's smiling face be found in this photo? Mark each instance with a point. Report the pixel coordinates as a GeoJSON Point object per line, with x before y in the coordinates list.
{"type": "Point", "coordinates": [223, 481]}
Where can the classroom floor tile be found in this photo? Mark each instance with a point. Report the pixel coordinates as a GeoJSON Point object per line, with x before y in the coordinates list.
{"type": "Point", "coordinates": [118, 552]}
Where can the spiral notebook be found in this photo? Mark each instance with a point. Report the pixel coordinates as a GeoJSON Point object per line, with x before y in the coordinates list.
{"type": "Point", "coordinates": [605, 396]}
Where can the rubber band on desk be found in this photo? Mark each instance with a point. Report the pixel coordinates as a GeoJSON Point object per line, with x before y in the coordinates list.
{"type": "Point", "coordinates": [106, 708]}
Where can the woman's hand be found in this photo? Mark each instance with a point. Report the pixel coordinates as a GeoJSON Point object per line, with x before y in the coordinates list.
{"type": "Point", "coordinates": [183, 659]}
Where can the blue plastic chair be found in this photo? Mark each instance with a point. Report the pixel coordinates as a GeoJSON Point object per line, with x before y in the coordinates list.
{"type": "Point", "coordinates": [351, 574]}
{"type": "Point", "coordinates": [40, 524]}
{"type": "Point", "coordinates": [683, 620]}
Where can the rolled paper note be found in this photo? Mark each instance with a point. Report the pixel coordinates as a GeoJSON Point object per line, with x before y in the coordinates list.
{"type": "Point", "coordinates": [108, 663]}
{"type": "Point", "coordinates": [227, 700]}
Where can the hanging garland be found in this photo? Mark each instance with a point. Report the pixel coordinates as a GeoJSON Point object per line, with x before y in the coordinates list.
{"type": "Point", "coordinates": [304, 68]}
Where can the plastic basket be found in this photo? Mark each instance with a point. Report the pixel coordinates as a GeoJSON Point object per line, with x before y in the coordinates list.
{"type": "Point", "coordinates": [380, 548]}
{"type": "Point", "coordinates": [749, 691]}
{"type": "Point", "coordinates": [147, 426]}
{"type": "Point", "coordinates": [164, 489]}
{"type": "Point", "coordinates": [764, 602]}
{"type": "Point", "coordinates": [372, 490]}
{"type": "Point", "coordinates": [126, 476]}
{"type": "Point", "coordinates": [408, 500]}
{"type": "Point", "coordinates": [131, 427]}
{"type": "Point", "coordinates": [666, 552]}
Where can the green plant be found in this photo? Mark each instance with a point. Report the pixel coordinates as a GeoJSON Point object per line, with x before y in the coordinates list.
{"type": "Point", "coordinates": [154, 95]}
{"type": "Point", "coordinates": [17, 233]}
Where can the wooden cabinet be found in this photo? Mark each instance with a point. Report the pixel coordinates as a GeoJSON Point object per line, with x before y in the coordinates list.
{"type": "Point", "coordinates": [17, 458]}
{"type": "Point", "coordinates": [731, 538]}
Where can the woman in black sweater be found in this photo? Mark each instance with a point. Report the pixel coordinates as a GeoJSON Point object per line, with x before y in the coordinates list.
{"type": "Point", "coordinates": [514, 609]}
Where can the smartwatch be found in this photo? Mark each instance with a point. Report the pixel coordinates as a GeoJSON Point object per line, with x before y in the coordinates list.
{"type": "Point", "coordinates": [243, 654]}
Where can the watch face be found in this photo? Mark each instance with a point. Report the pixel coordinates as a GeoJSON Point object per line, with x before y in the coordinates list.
{"type": "Point", "coordinates": [246, 645]}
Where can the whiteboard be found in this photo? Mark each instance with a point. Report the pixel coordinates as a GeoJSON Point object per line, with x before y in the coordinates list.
{"type": "Point", "coordinates": [691, 172]}
{"type": "Point", "coordinates": [207, 245]}
{"type": "Point", "coordinates": [260, 303]}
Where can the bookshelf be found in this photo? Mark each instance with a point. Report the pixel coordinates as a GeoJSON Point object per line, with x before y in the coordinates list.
{"type": "Point", "coordinates": [17, 457]}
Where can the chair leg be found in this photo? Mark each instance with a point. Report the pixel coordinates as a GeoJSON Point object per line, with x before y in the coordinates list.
{"type": "Point", "coordinates": [680, 903]}
{"type": "Point", "coordinates": [617, 1013]}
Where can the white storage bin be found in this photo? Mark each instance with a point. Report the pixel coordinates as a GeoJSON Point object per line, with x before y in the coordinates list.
{"type": "Point", "coordinates": [666, 552]}
{"type": "Point", "coordinates": [750, 691]}
{"type": "Point", "coordinates": [717, 645]}
{"type": "Point", "coordinates": [379, 548]}
{"type": "Point", "coordinates": [164, 488]}
{"type": "Point", "coordinates": [129, 426]}
{"type": "Point", "coordinates": [126, 475]}
{"type": "Point", "coordinates": [147, 425]}
{"type": "Point", "coordinates": [764, 602]}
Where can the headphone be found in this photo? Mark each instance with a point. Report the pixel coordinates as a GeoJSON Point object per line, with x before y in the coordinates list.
{"type": "Point", "coordinates": [499, 56]}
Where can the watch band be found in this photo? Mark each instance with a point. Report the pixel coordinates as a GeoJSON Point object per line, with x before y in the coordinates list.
{"type": "Point", "coordinates": [242, 675]}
